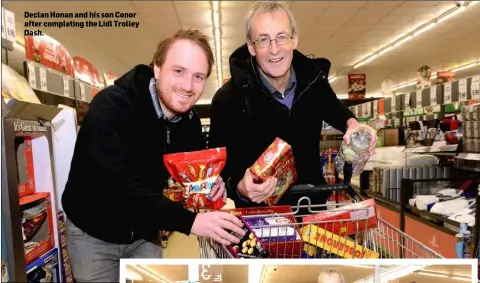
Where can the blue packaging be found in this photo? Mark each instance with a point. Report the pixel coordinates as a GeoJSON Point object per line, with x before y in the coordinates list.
{"type": "Point", "coordinates": [45, 268]}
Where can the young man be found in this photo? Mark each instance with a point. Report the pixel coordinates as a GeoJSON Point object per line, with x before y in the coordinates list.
{"type": "Point", "coordinates": [274, 91]}
{"type": "Point", "coordinates": [113, 198]}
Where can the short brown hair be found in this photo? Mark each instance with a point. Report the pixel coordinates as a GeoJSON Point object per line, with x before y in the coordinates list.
{"type": "Point", "coordinates": [190, 34]}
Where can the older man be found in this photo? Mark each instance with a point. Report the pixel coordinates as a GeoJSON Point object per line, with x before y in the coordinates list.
{"type": "Point", "coordinates": [275, 91]}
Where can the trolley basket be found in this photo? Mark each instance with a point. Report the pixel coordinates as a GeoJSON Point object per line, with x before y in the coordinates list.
{"type": "Point", "coordinates": [315, 239]}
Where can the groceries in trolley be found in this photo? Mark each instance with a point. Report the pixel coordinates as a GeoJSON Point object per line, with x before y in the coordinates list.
{"type": "Point", "coordinates": [356, 153]}
{"type": "Point", "coordinates": [273, 226]}
{"type": "Point", "coordinates": [197, 171]}
{"type": "Point", "coordinates": [334, 244]}
{"type": "Point", "coordinates": [346, 220]}
{"type": "Point", "coordinates": [249, 246]}
{"type": "Point", "coordinates": [276, 161]}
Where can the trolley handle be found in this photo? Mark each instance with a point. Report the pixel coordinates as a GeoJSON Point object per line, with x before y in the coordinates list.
{"type": "Point", "coordinates": [308, 188]}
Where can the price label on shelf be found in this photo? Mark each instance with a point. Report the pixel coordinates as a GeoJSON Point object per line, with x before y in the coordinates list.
{"type": "Point", "coordinates": [475, 88]}
{"type": "Point", "coordinates": [407, 100]}
{"type": "Point", "coordinates": [419, 99]}
{"type": "Point", "coordinates": [66, 86]}
{"type": "Point", "coordinates": [393, 103]}
{"type": "Point", "coordinates": [10, 26]}
{"type": "Point", "coordinates": [462, 90]}
{"type": "Point", "coordinates": [447, 93]}
{"type": "Point", "coordinates": [82, 92]}
{"type": "Point", "coordinates": [43, 79]}
{"type": "Point", "coordinates": [375, 107]}
{"type": "Point", "coordinates": [433, 95]}
{"type": "Point", "coordinates": [32, 76]}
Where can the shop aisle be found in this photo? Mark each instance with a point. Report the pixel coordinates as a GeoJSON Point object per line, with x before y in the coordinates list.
{"type": "Point", "coordinates": [182, 246]}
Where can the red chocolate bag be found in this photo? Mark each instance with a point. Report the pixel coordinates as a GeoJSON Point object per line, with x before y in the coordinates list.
{"type": "Point", "coordinates": [197, 171]}
{"type": "Point", "coordinates": [276, 161]}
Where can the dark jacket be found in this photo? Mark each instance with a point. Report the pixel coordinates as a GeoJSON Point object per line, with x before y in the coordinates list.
{"type": "Point", "coordinates": [117, 175]}
{"type": "Point", "coordinates": [246, 119]}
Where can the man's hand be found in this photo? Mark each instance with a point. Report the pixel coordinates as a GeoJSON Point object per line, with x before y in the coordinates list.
{"type": "Point", "coordinates": [217, 226]}
{"type": "Point", "coordinates": [256, 192]}
{"type": "Point", "coordinates": [218, 190]}
{"type": "Point", "coordinates": [353, 125]}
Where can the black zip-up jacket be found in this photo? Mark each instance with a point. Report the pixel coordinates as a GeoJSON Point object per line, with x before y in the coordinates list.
{"type": "Point", "coordinates": [117, 175]}
{"type": "Point", "coordinates": [246, 119]}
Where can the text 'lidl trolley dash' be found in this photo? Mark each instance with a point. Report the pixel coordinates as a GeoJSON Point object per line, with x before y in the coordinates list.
{"type": "Point", "coordinates": [109, 20]}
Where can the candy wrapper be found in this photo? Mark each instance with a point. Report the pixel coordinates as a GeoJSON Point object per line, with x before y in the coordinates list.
{"type": "Point", "coordinates": [174, 190]}
{"type": "Point", "coordinates": [249, 245]}
{"type": "Point", "coordinates": [197, 171]}
{"type": "Point", "coordinates": [277, 161]}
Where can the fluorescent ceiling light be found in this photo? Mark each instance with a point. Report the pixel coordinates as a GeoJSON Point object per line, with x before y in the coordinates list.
{"type": "Point", "coordinates": [462, 278]}
{"type": "Point", "coordinates": [434, 76]}
{"type": "Point", "coordinates": [432, 274]}
{"type": "Point", "coordinates": [332, 79]}
{"type": "Point", "coordinates": [451, 12]}
{"type": "Point", "coordinates": [218, 40]}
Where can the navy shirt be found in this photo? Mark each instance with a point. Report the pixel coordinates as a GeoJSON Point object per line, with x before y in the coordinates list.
{"type": "Point", "coordinates": [284, 98]}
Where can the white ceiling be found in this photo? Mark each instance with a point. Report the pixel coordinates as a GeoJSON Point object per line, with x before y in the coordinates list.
{"type": "Point", "coordinates": [344, 32]}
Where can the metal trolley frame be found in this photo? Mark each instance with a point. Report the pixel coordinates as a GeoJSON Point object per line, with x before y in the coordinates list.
{"type": "Point", "coordinates": [381, 241]}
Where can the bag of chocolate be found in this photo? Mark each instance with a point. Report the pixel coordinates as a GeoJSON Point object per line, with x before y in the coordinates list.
{"type": "Point", "coordinates": [197, 171]}
{"type": "Point", "coordinates": [276, 161]}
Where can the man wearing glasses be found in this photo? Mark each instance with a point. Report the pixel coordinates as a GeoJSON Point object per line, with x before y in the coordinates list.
{"type": "Point", "coordinates": [274, 91]}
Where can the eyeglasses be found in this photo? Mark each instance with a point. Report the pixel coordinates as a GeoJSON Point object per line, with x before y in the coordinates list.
{"type": "Point", "coordinates": [265, 41]}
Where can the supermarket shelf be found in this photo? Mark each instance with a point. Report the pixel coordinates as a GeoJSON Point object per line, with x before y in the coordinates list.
{"type": "Point", "coordinates": [49, 81]}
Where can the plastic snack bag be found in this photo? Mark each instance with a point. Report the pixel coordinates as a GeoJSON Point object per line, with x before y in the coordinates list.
{"type": "Point", "coordinates": [197, 171]}
{"type": "Point", "coordinates": [276, 161]}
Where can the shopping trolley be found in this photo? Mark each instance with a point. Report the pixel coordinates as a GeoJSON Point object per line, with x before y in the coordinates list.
{"type": "Point", "coordinates": [315, 239]}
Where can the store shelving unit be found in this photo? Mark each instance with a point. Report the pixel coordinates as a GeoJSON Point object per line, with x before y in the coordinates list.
{"type": "Point", "coordinates": [21, 119]}
{"type": "Point", "coordinates": [436, 232]}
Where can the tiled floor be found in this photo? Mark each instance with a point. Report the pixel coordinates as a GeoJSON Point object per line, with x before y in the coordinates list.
{"type": "Point", "coordinates": [182, 246]}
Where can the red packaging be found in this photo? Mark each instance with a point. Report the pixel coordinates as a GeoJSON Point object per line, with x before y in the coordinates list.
{"type": "Point", "coordinates": [174, 190]}
{"type": "Point", "coordinates": [197, 171]}
{"type": "Point", "coordinates": [346, 220]}
{"type": "Point", "coordinates": [37, 225]}
{"type": "Point", "coordinates": [276, 161]}
{"type": "Point", "coordinates": [28, 187]}
{"type": "Point", "coordinates": [86, 72]}
{"type": "Point", "coordinates": [50, 53]}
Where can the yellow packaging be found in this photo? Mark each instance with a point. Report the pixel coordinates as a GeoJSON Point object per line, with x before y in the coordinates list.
{"type": "Point", "coordinates": [335, 244]}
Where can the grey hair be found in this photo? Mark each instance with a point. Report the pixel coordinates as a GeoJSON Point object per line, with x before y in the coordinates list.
{"type": "Point", "coordinates": [329, 272]}
{"type": "Point", "coordinates": [268, 6]}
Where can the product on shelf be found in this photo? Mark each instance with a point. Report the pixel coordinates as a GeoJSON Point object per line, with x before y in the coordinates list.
{"type": "Point", "coordinates": [356, 153]}
{"type": "Point", "coordinates": [26, 182]}
{"type": "Point", "coordinates": [198, 172]}
{"type": "Point", "coordinates": [4, 271]}
{"type": "Point", "coordinates": [16, 86]}
{"type": "Point", "coordinates": [249, 246]}
{"type": "Point", "coordinates": [328, 165]}
{"type": "Point", "coordinates": [50, 53]}
{"type": "Point", "coordinates": [66, 268]}
{"type": "Point", "coordinates": [276, 161]}
{"type": "Point", "coordinates": [471, 128]}
{"type": "Point", "coordinates": [45, 268]}
{"type": "Point", "coordinates": [86, 72]}
{"type": "Point", "coordinates": [37, 225]}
